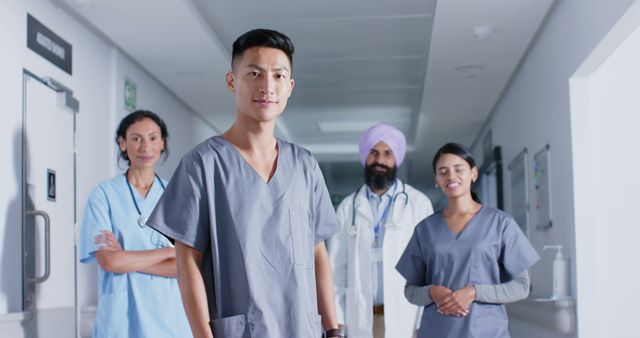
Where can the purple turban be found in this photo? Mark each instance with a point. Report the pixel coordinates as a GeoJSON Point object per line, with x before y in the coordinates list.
{"type": "Point", "coordinates": [391, 136]}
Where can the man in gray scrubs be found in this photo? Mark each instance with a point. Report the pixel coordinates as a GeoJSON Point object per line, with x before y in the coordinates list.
{"type": "Point", "coordinates": [249, 214]}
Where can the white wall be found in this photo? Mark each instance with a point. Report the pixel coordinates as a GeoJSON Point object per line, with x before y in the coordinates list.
{"type": "Point", "coordinates": [185, 128]}
{"type": "Point", "coordinates": [605, 114]}
{"type": "Point", "coordinates": [99, 69]}
{"type": "Point", "coordinates": [535, 110]}
{"type": "Point", "coordinates": [10, 93]}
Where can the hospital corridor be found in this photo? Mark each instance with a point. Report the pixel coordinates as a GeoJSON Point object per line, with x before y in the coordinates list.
{"type": "Point", "coordinates": [361, 169]}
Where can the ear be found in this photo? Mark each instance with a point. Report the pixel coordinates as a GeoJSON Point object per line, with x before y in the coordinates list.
{"type": "Point", "coordinates": [122, 144]}
{"type": "Point", "coordinates": [474, 174]}
{"type": "Point", "coordinates": [230, 81]}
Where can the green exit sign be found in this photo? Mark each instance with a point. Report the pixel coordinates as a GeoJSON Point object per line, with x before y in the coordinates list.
{"type": "Point", "coordinates": [130, 94]}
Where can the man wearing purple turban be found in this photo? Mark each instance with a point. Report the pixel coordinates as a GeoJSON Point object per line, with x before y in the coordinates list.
{"type": "Point", "coordinates": [377, 221]}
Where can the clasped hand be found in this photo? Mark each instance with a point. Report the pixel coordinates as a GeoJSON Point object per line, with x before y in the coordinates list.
{"type": "Point", "coordinates": [453, 303]}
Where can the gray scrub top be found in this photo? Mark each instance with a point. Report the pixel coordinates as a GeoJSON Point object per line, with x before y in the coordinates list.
{"type": "Point", "coordinates": [489, 250]}
{"type": "Point", "coordinates": [257, 238]}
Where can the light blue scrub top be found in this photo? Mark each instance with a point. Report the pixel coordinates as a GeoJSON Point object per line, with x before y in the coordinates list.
{"type": "Point", "coordinates": [491, 249]}
{"type": "Point", "coordinates": [130, 304]}
{"type": "Point", "coordinates": [257, 238]}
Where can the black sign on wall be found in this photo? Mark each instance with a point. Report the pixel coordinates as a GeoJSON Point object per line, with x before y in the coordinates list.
{"type": "Point", "coordinates": [48, 44]}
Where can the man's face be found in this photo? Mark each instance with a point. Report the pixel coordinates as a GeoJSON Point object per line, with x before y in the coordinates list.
{"type": "Point", "coordinates": [261, 81]}
{"type": "Point", "coordinates": [380, 169]}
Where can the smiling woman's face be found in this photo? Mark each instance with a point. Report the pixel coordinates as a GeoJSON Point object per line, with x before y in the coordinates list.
{"type": "Point", "coordinates": [454, 175]}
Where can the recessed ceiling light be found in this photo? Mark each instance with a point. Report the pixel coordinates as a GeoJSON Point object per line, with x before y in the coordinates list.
{"type": "Point", "coordinates": [482, 32]}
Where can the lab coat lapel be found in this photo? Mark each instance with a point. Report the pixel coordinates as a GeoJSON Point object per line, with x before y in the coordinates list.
{"type": "Point", "coordinates": [364, 214]}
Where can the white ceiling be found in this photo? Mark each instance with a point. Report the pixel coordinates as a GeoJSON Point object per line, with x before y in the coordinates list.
{"type": "Point", "coordinates": [423, 67]}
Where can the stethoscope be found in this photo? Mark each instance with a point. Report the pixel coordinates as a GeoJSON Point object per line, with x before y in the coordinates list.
{"type": "Point", "coordinates": [142, 221]}
{"type": "Point", "coordinates": [353, 229]}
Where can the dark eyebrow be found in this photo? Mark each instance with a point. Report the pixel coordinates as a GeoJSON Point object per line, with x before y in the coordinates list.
{"type": "Point", "coordinates": [281, 68]}
{"type": "Point", "coordinates": [138, 134]}
{"type": "Point", "coordinates": [256, 67]}
{"type": "Point", "coordinates": [455, 166]}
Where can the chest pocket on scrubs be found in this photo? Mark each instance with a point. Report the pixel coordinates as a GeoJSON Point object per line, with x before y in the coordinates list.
{"type": "Point", "coordinates": [484, 267]}
{"type": "Point", "coordinates": [301, 237]}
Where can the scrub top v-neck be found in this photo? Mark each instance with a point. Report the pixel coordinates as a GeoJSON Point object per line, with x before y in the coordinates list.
{"type": "Point", "coordinates": [257, 237]}
{"type": "Point", "coordinates": [457, 235]}
{"type": "Point", "coordinates": [246, 162]}
{"type": "Point", "coordinates": [490, 247]}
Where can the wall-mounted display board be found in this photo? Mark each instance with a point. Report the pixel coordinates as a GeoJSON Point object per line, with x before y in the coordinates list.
{"type": "Point", "coordinates": [519, 190]}
{"type": "Point", "coordinates": [541, 175]}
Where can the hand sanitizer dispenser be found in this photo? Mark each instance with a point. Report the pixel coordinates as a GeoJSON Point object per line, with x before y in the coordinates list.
{"type": "Point", "coordinates": [560, 273]}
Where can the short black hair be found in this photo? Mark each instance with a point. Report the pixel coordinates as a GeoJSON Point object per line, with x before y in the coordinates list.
{"type": "Point", "coordinates": [262, 38]}
{"type": "Point", "coordinates": [455, 149]}
{"type": "Point", "coordinates": [134, 117]}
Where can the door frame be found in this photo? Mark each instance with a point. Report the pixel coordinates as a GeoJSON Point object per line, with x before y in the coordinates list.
{"type": "Point", "coordinates": [589, 321]}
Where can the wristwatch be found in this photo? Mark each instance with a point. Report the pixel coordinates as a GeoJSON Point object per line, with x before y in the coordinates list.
{"type": "Point", "coordinates": [334, 333]}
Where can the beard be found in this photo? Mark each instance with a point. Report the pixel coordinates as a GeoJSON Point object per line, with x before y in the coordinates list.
{"type": "Point", "coordinates": [379, 180]}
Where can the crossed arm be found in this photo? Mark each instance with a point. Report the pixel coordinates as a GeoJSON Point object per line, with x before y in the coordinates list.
{"type": "Point", "coordinates": [112, 258]}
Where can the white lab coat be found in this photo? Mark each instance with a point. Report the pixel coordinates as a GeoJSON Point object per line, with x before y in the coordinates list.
{"type": "Point", "coordinates": [350, 256]}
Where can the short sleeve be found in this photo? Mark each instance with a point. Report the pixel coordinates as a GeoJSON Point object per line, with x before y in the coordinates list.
{"type": "Point", "coordinates": [323, 214]}
{"type": "Point", "coordinates": [411, 264]}
{"type": "Point", "coordinates": [182, 212]}
{"type": "Point", "coordinates": [95, 218]}
{"type": "Point", "coordinates": [517, 253]}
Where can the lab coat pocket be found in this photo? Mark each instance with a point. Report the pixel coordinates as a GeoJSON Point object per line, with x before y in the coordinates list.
{"type": "Point", "coordinates": [301, 238]}
{"type": "Point", "coordinates": [233, 327]}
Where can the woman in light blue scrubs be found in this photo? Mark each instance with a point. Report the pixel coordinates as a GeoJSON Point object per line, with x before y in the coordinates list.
{"type": "Point", "coordinates": [138, 294]}
{"type": "Point", "coordinates": [466, 261]}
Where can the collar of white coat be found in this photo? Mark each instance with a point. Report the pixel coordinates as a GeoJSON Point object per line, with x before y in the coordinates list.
{"type": "Point", "coordinates": [361, 203]}
{"type": "Point", "coordinates": [391, 191]}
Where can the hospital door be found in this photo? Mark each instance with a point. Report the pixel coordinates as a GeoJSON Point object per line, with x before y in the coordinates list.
{"type": "Point", "coordinates": [48, 177]}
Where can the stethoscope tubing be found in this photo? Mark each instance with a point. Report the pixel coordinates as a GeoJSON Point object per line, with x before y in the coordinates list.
{"type": "Point", "coordinates": [354, 229]}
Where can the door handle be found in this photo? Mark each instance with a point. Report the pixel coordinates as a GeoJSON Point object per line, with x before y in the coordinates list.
{"type": "Point", "coordinates": [47, 246]}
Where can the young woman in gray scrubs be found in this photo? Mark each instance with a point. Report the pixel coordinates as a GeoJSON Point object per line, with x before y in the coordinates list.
{"type": "Point", "coordinates": [466, 261]}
